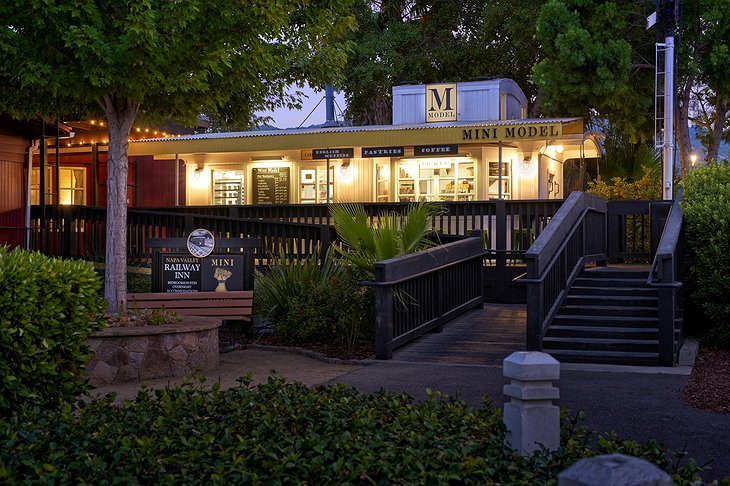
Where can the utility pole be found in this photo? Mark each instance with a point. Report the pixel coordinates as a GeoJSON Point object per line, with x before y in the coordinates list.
{"type": "Point", "coordinates": [664, 135]}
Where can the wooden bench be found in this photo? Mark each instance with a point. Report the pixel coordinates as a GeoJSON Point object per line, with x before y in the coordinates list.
{"type": "Point", "coordinates": [228, 306]}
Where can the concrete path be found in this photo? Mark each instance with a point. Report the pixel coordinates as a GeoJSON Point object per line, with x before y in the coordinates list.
{"type": "Point", "coordinates": [637, 404]}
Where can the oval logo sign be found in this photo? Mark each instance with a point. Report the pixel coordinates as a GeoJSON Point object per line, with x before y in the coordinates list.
{"type": "Point", "coordinates": [201, 243]}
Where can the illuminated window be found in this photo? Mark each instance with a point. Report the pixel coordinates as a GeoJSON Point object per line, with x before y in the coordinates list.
{"type": "Point", "coordinates": [72, 187]}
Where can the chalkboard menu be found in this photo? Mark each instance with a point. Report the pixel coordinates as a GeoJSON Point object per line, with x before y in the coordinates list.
{"type": "Point", "coordinates": [271, 185]}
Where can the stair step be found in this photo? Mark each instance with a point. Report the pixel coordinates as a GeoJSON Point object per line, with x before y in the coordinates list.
{"type": "Point", "coordinates": [608, 310]}
{"type": "Point", "coordinates": [609, 282]}
{"type": "Point", "coordinates": [613, 300]}
{"type": "Point", "coordinates": [606, 357]}
{"type": "Point", "coordinates": [613, 291]}
{"type": "Point", "coordinates": [598, 332]}
{"type": "Point", "coordinates": [598, 344]}
{"type": "Point", "coordinates": [614, 273]}
{"type": "Point", "coordinates": [605, 321]}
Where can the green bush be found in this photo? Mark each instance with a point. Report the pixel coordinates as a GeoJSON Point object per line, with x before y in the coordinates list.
{"type": "Point", "coordinates": [278, 433]}
{"type": "Point", "coordinates": [706, 210]}
{"type": "Point", "coordinates": [48, 308]}
{"type": "Point", "coordinates": [307, 301]}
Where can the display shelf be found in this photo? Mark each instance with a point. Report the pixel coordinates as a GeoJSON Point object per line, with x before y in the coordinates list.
{"type": "Point", "coordinates": [228, 192]}
{"type": "Point", "coordinates": [454, 182]}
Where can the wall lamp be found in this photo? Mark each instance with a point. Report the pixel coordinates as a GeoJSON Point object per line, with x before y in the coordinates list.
{"type": "Point", "coordinates": [526, 163]}
{"type": "Point", "coordinates": [198, 173]}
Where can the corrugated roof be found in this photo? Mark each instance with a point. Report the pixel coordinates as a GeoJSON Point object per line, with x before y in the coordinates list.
{"type": "Point", "coordinates": [369, 128]}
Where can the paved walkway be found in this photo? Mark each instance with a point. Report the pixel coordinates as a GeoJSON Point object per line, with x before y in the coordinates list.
{"type": "Point", "coordinates": [635, 403]}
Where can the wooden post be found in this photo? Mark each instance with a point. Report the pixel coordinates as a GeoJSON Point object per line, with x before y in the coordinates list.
{"type": "Point", "coordinates": [68, 239]}
{"type": "Point", "coordinates": [383, 322]}
{"type": "Point", "coordinates": [500, 280]}
{"type": "Point", "coordinates": [666, 305]}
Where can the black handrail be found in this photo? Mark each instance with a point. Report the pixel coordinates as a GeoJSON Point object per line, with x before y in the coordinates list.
{"type": "Point", "coordinates": [418, 292]}
{"type": "Point", "coordinates": [576, 236]}
{"type": "Point", "coordinates": [665, 275]}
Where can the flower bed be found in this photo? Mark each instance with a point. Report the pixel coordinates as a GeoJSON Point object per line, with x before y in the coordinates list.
{"type": "Point", "coordinates": [147, 352]}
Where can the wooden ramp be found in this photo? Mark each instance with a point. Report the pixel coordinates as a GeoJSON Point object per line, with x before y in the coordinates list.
{"type": "Point", "coordinates": [481, 336]}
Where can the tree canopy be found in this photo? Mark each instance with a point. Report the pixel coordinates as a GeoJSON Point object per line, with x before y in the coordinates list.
{"type": "Point", "coordinates": [161, 60]}
{"type": "Point", "coordinates": [399, 41]}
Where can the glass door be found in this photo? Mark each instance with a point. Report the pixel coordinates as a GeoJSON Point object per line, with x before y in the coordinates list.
{"type": "Point", "coordinates": [313, 185]}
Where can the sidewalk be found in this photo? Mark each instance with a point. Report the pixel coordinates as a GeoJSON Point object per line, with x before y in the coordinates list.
{"type": "Point", "coordinates": [635, 403]}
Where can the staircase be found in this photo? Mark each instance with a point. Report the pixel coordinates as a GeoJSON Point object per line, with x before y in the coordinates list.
{"type": "Point", "coordinates": [610, 316]}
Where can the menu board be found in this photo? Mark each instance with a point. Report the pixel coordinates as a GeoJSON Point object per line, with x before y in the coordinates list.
{"type": "Point", "coordinates": [271, 185]}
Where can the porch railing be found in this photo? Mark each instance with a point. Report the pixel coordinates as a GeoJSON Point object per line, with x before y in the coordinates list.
{"type": "Point", "coordinates": [666, 275]}
{"type": "Point", "coordinates": [634, 229]}
{"type": "Point", "coordinates": [80, 231]}
{"type": "Point", "coordinates": [576, 236]}
{"type": "Point", "coordinates": [422, 291]}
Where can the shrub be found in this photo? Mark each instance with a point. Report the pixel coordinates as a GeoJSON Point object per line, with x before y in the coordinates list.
{"type": "Point", "coordinates": [648, 187]}
{"type": "Point", "coordinates": [707, 250]}
{"type": "Point", "coordinates": [307, 301]}
{"type": "Point", "coordinates": [277, 433]}
{"type": "Point", "coordinates": [48, 308]}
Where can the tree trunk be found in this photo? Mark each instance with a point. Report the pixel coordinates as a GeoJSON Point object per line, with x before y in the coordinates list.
{"type": "Point", "coordinates": [685, 143]}
{"type": "Point", "coordinates": [120, 113]}
{"type": "Point", "coordinates": [720, 113]}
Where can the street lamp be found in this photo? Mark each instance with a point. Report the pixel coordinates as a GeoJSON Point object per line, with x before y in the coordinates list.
{"type": "Point", "coordinates": [693, 158]}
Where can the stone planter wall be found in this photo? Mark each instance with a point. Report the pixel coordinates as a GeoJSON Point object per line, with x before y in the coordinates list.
{"type": "Point", "coordinates": [144, 353]}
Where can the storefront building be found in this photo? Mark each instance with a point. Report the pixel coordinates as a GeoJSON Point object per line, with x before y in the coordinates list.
{"type": "Point", "coordinates": [448, 142]}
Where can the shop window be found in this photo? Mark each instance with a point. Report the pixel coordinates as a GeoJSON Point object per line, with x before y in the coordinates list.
{"type": "Point", "coordinates": [382, 181]}
{"type": "Point", "coordinates": [442, 179]}
{"type": "Point", "coordinates": [228, 187]}
{"type": "Point", "coordinates": [313, 185]}
{"type": "Point", "coordinates": [71, 186]}
{"type": "Point", "coordinates": [494, 180]}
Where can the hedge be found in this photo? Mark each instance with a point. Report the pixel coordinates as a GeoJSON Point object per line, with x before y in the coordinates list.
{"type": "Point", "coordinates": [706, 209]}
{"type": "Point", "coordinates": [279, 433]}
{"type": "Point", "coordinates": [48, 308]}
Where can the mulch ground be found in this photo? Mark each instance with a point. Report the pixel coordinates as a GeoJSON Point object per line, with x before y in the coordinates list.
{"type": "Point", "coordinates": [708, 387]}
{"type": "Point", "coordinates": [360, 351]}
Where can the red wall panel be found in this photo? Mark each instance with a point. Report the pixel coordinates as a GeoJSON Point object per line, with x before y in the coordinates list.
{"type": "Point", "coordinates": [12, 192]}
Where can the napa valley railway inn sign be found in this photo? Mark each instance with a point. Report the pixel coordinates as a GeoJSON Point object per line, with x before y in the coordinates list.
{"type": "Point", "coordinates": [202, 269]}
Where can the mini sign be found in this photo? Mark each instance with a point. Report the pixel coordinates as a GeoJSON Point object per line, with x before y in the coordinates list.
{"type": "Point", "coordinates": [382, 151]}
{"type": "Point", "coordinates": [222, 273]}
{"type": "Point", "coordinates": [440, 102]}
{"type": "Point", "coordinates": [421, 150]}
{"type": "Point", "coordinates": [201, 243]}
{"type": "Point", "coordinates": [334, 153]}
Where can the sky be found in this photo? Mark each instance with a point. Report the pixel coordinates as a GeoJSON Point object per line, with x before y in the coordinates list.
{"type": "Point", "coordinates": [284, 118]}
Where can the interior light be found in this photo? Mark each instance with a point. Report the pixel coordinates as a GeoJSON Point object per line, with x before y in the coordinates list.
{"type": "Point", "coordinates": [198, 173]}
{"type": "Point", "coordinates": [526, 163]}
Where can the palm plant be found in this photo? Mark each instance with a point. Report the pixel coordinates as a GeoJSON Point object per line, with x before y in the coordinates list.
{"type": "Point", "coordinates": [392, 235]}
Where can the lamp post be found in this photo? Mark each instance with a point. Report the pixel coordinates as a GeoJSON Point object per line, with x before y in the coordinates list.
{"type": "Point", "coordinates": [693, 158]}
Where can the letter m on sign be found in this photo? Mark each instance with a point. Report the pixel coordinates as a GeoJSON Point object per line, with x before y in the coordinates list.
{"type": "Point", "coordinates": [440, 102]}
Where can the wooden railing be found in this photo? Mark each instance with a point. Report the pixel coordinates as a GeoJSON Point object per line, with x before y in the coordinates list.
{"type": "Point", "coordinates": [666, 275]}
{"type": "Point", "coordinates": [634, 228]}
{"type": "Point", "coordinates": [80, 231]}
{"type": "Point", "coordinates": [418, 292]}
{"type": "Point", "coordinates": [576, 236]}
{"type": "Point", "coordinates": [507, 228]}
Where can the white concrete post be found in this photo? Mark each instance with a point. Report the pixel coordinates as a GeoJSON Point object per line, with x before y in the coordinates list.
{"type": "Point", "coordinates": [614, 470]}
{"type": "Point", "coordinates": [530, 416]}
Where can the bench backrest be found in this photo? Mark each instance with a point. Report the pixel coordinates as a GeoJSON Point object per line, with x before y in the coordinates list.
{"type": "Point", "coordinates": [232, 305]}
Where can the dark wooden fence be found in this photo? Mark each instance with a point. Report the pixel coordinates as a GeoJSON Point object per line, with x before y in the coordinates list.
{"type": "Point", "coordinates": [422, 291]}
{"type": "Point", "coordinates": [576, 236]}
{"type": "Point", "coordinates": [634, 229]}
{"type": "Point", "coordinates": [507, 228]}
{"type": "Point", "coordinates": [666, 275]}
{"type": "Point", "coordinates": [80, 231]}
